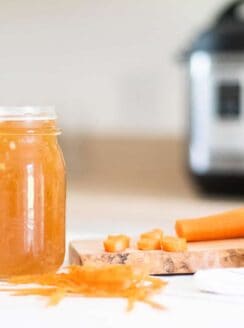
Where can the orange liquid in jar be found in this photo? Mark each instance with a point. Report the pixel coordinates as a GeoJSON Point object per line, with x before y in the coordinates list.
{"type": "Point", "coordinates": [32, 198]}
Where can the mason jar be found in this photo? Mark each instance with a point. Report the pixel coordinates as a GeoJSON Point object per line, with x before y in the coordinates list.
{"type": "Point", "coordinates": [32, 191]}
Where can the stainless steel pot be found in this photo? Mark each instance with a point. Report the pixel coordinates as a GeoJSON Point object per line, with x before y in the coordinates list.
{"type": "Point", "coordinates": [215, 64]}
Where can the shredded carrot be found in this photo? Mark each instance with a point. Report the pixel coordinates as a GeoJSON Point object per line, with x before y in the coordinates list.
{"type": "Point", "coordinates": [220, 226]}
{"type": "Point", "coordinates": [130, 282]}
{"type": "Point", "coordinates": [173, 244]}
{"type": "Point", "coordinates": [116, 243]}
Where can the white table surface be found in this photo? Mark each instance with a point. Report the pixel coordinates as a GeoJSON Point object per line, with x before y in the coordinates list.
{"type": "Point", "coordinates": [186, 307]}
{"type": "Point", "coordinates": [93, 215]}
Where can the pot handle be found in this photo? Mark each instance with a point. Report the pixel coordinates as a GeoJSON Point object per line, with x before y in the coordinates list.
{"type": "Point", "coordinates": [229, 14]}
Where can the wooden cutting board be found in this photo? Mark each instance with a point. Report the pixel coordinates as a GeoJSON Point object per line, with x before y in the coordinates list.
{"type": "Point", "coordinates": [200, 255]}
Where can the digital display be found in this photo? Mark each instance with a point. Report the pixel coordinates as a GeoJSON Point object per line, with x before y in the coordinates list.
{"type": "Point", "coordinates": [229, 100]}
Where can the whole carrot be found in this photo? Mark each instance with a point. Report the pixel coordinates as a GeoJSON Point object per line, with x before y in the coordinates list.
{"type": "Point", "coordinates": [219, 226]}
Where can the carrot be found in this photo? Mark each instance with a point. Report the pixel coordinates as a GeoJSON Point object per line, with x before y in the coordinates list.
{"type": "Point", "coordinates": [124, 237]}
{"type": "Point", "coordinates": [173, 244]}
{"type": "Point", "coordinates": [148, 244]}
{"type": "Point", "coordinates": [130, 282]}
{"type": "Point", "coordinates": [154, 234]}
{"type": "Point", "coordinates": [150, 240]}
{"type": "Point", "coordinates": [116, 243]}
{"type": "Point", "coordinates": [220, 226]}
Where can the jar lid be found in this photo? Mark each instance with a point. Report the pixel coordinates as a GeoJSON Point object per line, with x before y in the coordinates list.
{"type": "Point", "coordinates": [19, 113]}
{"type": "Point", "coordinates": [225, 35]}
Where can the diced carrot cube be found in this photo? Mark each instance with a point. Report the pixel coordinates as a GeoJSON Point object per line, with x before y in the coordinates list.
{"type": "Point", "coordinates": [173, 244]}
{"type": "Point", "coordinates": [148, 244]}
{"type": "Point", "coordinates": [153, 234]}
{"type": "Point", "coordinates": [116, 243]}
{"type": "Point", "coordinates": [125, 238]}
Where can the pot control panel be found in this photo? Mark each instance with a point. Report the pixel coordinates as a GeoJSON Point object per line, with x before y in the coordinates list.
{"type": "Point", "coordinates": [228, 100]}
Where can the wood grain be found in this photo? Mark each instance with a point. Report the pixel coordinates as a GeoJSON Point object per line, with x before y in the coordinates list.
{"type": "Point", "coordinates": [200, 255]}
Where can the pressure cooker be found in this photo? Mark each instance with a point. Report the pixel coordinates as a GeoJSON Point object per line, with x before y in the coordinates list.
{"type": "Point", "coordinates": [215, 66]}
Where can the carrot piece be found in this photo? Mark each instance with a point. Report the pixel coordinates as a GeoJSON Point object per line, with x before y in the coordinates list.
{"type": "Point", "coordinates": [150, 240]}
{"type": "Point", "coordinates": [154, 234]}
{"type": "Point", "coordinates": [173, 244]}
{"type": "Point", "coordinates": [116, 243]}
{"type": "Point", "coordinates": [124, 237]}
{"type": "Point", "coordinates": [148, 244]}
{"type": "Point", "coordinates": [220, 226]}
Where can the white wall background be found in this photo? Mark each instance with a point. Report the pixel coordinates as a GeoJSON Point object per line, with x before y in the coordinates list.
{"type": "Point", "coordinates": [108, 65]}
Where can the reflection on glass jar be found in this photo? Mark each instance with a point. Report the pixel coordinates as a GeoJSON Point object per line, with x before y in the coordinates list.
{"type": "Point", "coordinates": [32, 192]}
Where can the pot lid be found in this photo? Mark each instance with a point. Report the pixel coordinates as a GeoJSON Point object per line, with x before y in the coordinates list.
{"type": "Point", "coordinates": [226, 34]}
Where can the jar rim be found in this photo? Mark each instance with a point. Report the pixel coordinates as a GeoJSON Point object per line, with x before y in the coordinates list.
{"type": "Point", "coordinates": [22, 113]}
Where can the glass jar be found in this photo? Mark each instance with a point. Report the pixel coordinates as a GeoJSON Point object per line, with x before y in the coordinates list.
{"type": "Point", "coordinates": [32, 192]}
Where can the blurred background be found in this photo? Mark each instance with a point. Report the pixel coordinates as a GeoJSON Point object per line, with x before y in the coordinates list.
{"type": "Point", "coordinates": [112, 70]}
